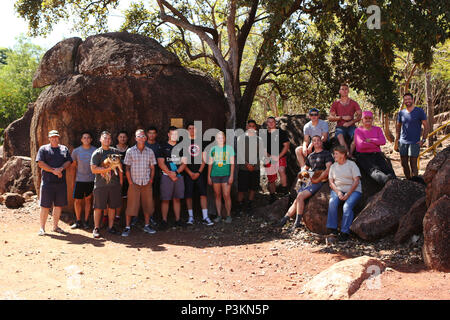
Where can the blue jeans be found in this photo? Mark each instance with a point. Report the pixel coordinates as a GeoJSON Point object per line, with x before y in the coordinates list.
{"type": "Point", "coordinates": [347, 217]}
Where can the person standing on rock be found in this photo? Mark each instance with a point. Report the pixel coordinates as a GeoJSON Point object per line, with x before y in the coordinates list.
{"type": "Point", "coordinates": [53, 159]}
{"type": "Point", "coordinates": [106, 195]}
{"type": "Point", "coordinates": [346, 112]}
{"type": "Point", "coordinates": [315, 127]}
{"type": "Point", "coordinates": [409, 125]}
{"type": "Point", "coordinates": [277, 146]}
{"type": "Point", "coordinates": [345, 184]}
{"type": "Point", "coordinates": [368, 139]}
{"type": "Point", "coordinates": [172, 180]}
{"type": "Point", "coordinates": [320, 159]}
{"type": "Point", "coordinates": [84, 180]}
{"type": "Point", "coordinates": [195, 176]}
{"type": "Point", "coordinates": [140, 164]}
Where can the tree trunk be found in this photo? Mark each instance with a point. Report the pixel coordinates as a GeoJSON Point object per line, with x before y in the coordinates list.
{"type": "Point", "coordinates": [430, 106]}
{"type": "Point", "coordinates": [387, 130]}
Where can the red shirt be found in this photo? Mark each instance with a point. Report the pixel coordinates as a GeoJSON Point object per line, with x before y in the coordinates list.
{"type": "Point", "coordinates": [344, 110]}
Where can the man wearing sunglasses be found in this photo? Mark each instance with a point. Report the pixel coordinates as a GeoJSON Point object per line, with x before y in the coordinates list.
{"type": "Point", "coordinates": [315, 127]}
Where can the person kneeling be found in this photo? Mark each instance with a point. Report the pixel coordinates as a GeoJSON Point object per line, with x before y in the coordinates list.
{"type": "Point", "coordinates": [320, 159]}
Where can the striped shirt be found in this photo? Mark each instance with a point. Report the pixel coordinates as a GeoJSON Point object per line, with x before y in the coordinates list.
{"type": "Point", "coordinates": [139, 162]}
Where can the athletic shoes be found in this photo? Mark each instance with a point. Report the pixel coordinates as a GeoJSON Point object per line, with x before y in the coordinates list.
{"type": "Point", "coordinates": [95, 233]}
{"type": "Point", "coordinates": [126, 232]}
{"type": "Point", "coordinates": [113, 231]}
{"type": "Point", "coordinates": [342, 237]}
{"type": "Point", "coordinates": [153, 223]}
{"type": "Point", "coordinates": [163, 225]}
{"type": "Point", "coordinates": [207, 221]}
{"type": "Point", "coordinates": [149, 230]}
{"type": "Point", "coordinates": [134, 220]}
{"type": "Point", "coordinates": [180, 223]}
{"type": "Point", "coordinates": [228, 219]}
{"type": "Point", "coordinates": [218, 219]}
{"type": "Point", "coordinates": [41, 232]}
{"type": "Point", "coordinates": [76, 225]}
{"type": "Point", "coordinates": [190, 220]}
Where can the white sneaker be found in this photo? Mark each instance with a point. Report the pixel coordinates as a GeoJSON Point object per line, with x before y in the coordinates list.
{"type": "Point", "coordinates": [190, 220]}
{"type": "Point", "coordinates": [41, 232]}
{"type": "Point", "coordinates": [207, 221]}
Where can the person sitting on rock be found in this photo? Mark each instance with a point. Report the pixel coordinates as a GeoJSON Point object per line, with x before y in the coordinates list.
{"type": "Point", "coordinates": [345, 184]}
{"type": "Point", "coordinates": [368, 139]}
{"type": "Point", "coordinates": [315, 127]}
{"type": "Point", "coordinates": [320, 159]}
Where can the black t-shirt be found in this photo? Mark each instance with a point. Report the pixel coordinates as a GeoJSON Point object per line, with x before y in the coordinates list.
{"type": "Point", "coordinates": [195, 154]}
{"type": "Point", "coordinates": [172, 161]}
{"type": "Point", "coordinates": [279, 136]}
{"type": "Point", "coordinates": [317, 161]}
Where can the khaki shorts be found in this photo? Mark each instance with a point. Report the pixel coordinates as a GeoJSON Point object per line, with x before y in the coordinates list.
{"type": "Point", "coordinates": [138, 195]}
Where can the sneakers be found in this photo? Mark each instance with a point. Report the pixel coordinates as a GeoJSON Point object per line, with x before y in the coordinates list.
{"type": "Point", "coordinates": [112, 230]}
{"type": "Point", "coordinates": [148, 229]}
{"type": "Point", "coordinates": [228, 219]}
{"type": "Point", "coordinates": [342, 237]}
{"type": "Point", "coordinates": [218, 219]}
{"type": "Point", "coordinates": [76, 225]}
{"type": "Point", "coordinates": [85, 225]}
{"type": "Point", "coordinates": [41, 232]}
{"type": "Point", "coordinates": [153, 223]}
{"type": "Point", "coordinates": [282, 222]}
{"type": "Point", "coordinates": [95, 233]}
{"type": "Point", "coordinates": [207, 221]}
{"type": "Point", "coordinates": [126, 232]}
{"type": "Point", "coordinates": [332, 232]}
{"type": "Point", "coordinates": [190, 220]}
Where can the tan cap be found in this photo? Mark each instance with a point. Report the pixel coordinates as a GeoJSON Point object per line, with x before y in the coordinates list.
{"type": "Point", "coordinates": [53, 133]}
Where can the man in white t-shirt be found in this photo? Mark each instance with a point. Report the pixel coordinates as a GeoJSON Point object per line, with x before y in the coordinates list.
{"type": "Point", "coordinates": [315, 127]}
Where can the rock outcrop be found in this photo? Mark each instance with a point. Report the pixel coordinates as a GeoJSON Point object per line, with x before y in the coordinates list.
{"type": "Point", "coordinates": [412, 222]}
{"type": "Point", "coordinates": [383, 212]}
{"type": "Point", "coordinates": [17, 135]}
{"type": "Point", "coordinates": [121, 81]}
{"type": "Point", "coordinates": [436, 232]}
{"type": "Point", "coordinates": [344, 278]}
{"type": "Point", "coordinates": [15, 175]}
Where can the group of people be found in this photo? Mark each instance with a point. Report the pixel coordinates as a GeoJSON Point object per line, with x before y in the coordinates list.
{"type": "Point", "coordinates": [153, 171]}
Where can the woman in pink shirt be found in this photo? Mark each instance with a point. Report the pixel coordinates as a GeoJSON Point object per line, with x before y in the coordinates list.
{"type": "Point", "coordinates": [368, 139]}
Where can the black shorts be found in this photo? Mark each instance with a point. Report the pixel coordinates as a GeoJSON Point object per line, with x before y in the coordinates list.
{"type": "Point", "coordinates": [248, 180]}
{"type": "Point", "coordinates": [110, 196]}
{"type": "Point", "coordinates": [190, 184]}
{"type": "Point", "coordinates": [83, 189]}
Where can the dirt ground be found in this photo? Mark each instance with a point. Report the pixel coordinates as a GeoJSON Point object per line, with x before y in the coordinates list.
{"type": "Point", "coordinates": [247, 259]}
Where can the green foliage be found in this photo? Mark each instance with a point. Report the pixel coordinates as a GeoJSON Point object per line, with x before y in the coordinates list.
{"type": "Point", "coordinates": [16, 76]}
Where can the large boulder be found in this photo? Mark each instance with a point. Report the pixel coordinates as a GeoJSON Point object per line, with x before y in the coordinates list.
{"type": "Point", "coordinates": [125, 81]}
{"type": "Point", "coordinates": [344, 278]}
{"type": "Point", "coordinates": [316, 208]}
{"type": "Point", "coordinates": [57, 63]}
{"type": "Point", "coordinates": [437, 176]}
{"type": "Point", "coordinates": [275, 211]}
{"type": "Point", "coordinates": [15, 175]}
{"type": "Point", "coordinates": [412, 222]}
{"type": "Point", "coordinates": [383, 212]}
{"type": "Point", "coordinates": [17, 135]}
{"type": "Point", "coordinates": [436, 231]}
{"type": "Point", "coordinates": [13, 200]}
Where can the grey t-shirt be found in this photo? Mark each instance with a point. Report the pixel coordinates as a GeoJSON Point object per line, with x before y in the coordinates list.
{"type": "Point", "coordinates": [97, 158]}
{"type": "Point", "coordinates": [317, 130]}
{"type": "Point", "coordinates": [83, 158]}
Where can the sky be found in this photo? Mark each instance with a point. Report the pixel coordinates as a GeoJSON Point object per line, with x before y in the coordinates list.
{"type": "Point", "coordinates": [15, 25]}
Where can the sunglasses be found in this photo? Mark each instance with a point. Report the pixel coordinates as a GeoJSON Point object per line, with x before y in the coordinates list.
{"type": "Point", "coordinates": [140, 136]}
{"type": "Point", "coordinates": [314, 114]}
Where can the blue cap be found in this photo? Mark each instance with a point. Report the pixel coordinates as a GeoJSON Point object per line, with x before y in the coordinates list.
{"type": "Point", "coordinates": [314, 110]}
